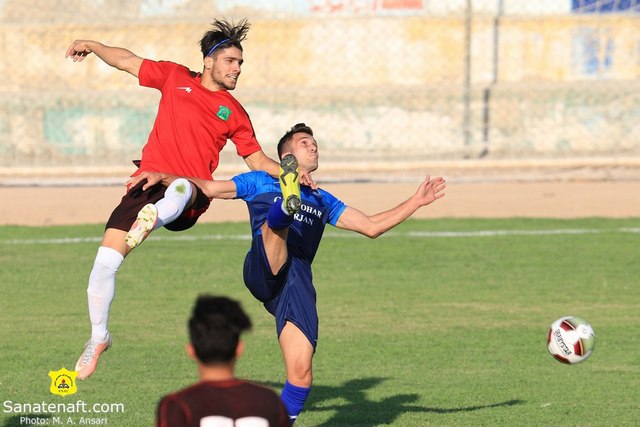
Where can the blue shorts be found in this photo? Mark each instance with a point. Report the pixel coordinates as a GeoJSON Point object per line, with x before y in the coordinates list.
{"type": "Point", "coordinates": [288, 295]}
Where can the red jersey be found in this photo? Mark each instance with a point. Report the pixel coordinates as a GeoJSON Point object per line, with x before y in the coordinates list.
{"type": "Point", "coordinates": [230, 400]}
{"type": "Point", "coordinates": [193, 123]}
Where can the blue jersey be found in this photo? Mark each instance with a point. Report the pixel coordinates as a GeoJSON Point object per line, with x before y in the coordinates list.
{"type": "Point", "coordinates": [259, 190]}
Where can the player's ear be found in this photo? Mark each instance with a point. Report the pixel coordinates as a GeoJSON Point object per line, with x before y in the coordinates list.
{"type": "Point", "coordinates": [191, 351]}
{"type": "Point", "coordinates": [208, 62]}
{"type": "Point", "coordinates": [239, 349]}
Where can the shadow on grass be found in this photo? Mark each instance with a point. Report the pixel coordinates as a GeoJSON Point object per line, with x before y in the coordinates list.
{"type": "Point", "coordinates": [360, 410]}
{"type": "Point", "coordinates": [27, 419]}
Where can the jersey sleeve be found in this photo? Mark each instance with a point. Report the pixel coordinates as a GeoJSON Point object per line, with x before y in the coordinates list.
{"type": "Point", "coordinates": [154, 73]}
{"type": "Point", "coordinates": [248, 184]}
{"type": "Point", "coordinates": [244, 136]}
{"type": "Point", "coordinates": [335, 207]}
{"type": "Point", "coordinates": [170, 413]}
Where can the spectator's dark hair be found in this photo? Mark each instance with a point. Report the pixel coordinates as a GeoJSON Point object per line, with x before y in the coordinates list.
{"type": "Point", "coordinates": [215, 327]}
{"type": "Point", "coordinates": [222, 36]}
{"type": "Point", "coordinates": [284, 141]}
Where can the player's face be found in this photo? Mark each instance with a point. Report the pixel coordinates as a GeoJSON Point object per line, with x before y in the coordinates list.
{"type": "Point", "coordinates": [305, 148]}
{"type": "Point", "coordinates": [225, 70]}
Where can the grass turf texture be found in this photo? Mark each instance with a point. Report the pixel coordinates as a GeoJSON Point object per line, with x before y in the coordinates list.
{"type": "Point", "coordinates": [445, 329]}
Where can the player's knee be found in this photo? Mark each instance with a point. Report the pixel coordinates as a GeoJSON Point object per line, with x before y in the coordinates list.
{"type": "Point", "coordinates": [105, 266]}
{"type": "Point", "coordinates": [180, 189]}
{"type": "Point", "coordinates": [102, 272]}
{"type": "Point", "coordinates": [301, 375]}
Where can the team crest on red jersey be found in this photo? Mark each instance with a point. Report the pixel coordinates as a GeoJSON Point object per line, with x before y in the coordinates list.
{"type": "Point", "coordinates": [224, 112]}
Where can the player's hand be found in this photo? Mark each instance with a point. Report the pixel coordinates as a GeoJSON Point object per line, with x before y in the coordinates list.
{"type": "Point", "coordinates": [430, 190]}
{"type": "Point", "coordinates": [78, 50]}
{"type": "Point", "coordinates": [305, 179]}
{"type": "Point", "coordinates": [152, 179]}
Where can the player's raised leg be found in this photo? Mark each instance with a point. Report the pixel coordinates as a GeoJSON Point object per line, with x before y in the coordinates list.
{"type": "Point", "coordinates": [289, 184]}
{"type": "Point", "coordinates": [145, 223]}
{"type": "Point", "coordinates": [179, 195]}
{"type": "Point", "coordinates": [281, 214]}
{"type": "Point", "coordinates": [116, 245]}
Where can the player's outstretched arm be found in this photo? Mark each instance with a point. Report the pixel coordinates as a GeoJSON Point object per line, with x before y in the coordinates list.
{"type": "Point", "coordinates": [117, 57]}
{"type": "Point", "coordinates": [222, 189]}
{"type": "Point", "coordinates": [374, 225]}
{"type": "Point", "coordinates": [259, 161]}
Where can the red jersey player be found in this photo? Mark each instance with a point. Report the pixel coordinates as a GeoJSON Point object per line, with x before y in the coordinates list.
{"type": "Point", "coordinates": [196, 116]}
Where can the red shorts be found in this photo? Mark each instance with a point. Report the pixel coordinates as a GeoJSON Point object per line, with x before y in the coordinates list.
{"type": "Point", "coordinates": [125, 214]}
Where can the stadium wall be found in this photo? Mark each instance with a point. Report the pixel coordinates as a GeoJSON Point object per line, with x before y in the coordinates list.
{"type": "Point", "coordinates": [376, 87]}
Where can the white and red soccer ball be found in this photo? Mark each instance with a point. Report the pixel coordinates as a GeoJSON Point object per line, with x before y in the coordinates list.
{"type": "Point", "coordinates": [571, 340]}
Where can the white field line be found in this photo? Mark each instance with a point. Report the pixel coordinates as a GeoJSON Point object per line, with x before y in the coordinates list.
{"type": "Point", "coordinates": [411, 234]}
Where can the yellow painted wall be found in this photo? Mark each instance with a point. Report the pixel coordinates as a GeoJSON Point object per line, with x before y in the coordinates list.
{"type": "Point", "coordinates": [374, 86]}
{"type": "Point", "coordinates": [339, 53]}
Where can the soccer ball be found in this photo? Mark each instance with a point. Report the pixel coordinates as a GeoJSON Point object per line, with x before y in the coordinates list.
{"type": "Point", "coordinates": [570, 340]}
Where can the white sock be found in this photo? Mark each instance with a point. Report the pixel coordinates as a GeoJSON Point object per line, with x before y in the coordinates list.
{"type": "Point", "coordinates": [102, 289]}
{"type": "Point", "coordinates": [176, 198]}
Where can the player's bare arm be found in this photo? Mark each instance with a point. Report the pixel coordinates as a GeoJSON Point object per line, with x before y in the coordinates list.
{"type": "Point", "coordinates": [375, 225]}
{"type": "Point", "coordinates": [117, 57]}
{"type": "Point", "coordinates": [223, 189]}
{"type": "Point", "coordinates": [260, 161]}
{"type": "Point", "coordinates": [162, 178]}
{"type": "Point", "coordinates": [154, 178]}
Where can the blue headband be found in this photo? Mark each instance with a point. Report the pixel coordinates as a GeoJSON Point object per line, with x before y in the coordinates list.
{"type": "Point", "coordinates": [216, 46]}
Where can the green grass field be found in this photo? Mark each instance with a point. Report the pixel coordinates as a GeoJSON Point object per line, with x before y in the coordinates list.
{"type": "Point", "coordinates": [439, 322]}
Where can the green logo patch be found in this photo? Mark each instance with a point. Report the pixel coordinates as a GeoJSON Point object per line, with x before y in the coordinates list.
{"type": "Point", "coordinates": [224, 112]}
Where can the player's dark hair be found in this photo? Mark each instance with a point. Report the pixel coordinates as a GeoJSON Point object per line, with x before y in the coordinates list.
{"type": "Point", "coordinates": [222, 36]}
{"type": "Point", "coordinates": [215, 327]}
{"type": "Point", "coordinates": [286, 138]}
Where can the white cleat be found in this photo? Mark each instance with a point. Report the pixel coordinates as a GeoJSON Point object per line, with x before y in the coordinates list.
{"type": "Point", "coordinates": [146, 220]}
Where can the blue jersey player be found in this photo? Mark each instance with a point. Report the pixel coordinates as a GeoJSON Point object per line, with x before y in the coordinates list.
{"type": "Point", "coordinates": [287, 222]}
